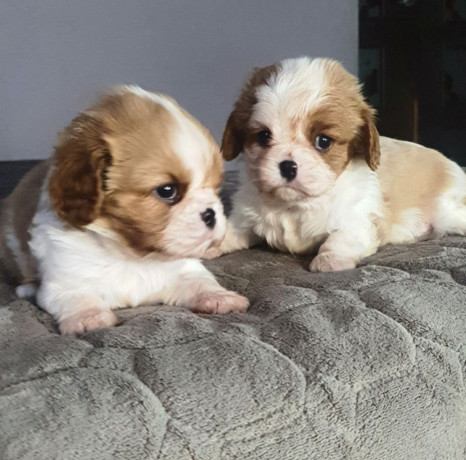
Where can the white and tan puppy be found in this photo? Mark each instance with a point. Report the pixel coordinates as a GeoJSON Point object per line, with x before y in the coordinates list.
{"type": "Point", "coordinates": [118, 215]}
{"type": "Point", "coordinates": [317, 175]}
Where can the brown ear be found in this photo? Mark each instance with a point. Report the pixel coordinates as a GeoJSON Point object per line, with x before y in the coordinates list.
{"type": "Point", "coordinates": [76, 184]}
{"type": "Point", "coordinates": [235, 132]}
{"type": "Point", "coordinates": [233, 138]}
{"type": "Point", "coordinates": [366, 143]}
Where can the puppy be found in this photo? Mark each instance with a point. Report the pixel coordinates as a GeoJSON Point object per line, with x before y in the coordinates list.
{"type": "Point", "coordinates": [317, 175]}
{"type": "Point", "coordinates": [118, 215]}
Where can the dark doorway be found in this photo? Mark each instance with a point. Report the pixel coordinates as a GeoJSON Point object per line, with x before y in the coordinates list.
{"type": "Point", "coordinates": [412, 62]}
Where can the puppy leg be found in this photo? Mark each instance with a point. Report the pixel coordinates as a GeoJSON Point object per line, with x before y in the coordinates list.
{"type": "Point", "coordinates": [198, 290]}
{"type": "Point", "coordinates": [343, 249]}
{"type": "Point", "coordinates": [450, 214]}
{"type": "Point", "coordinates": [87, 320]}
{"type": "Point", "coordinates": [209, 300]}
{"type": "Point", "coordinates": [235, 240]}
{"type": "Point", "coordinates": [76, 312]}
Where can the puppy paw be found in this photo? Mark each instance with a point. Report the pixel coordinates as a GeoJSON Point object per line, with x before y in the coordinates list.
{"type": "Point", "coordinates": [26, 291]}
{"type": "Point", "coordinates": [219, 302]}
{"type": "Point", "coordinates": [87, 320]}
{"type": "Point", "coordinates": [212, 253]}
{"type": "Point", "coordinates": [331, 262]}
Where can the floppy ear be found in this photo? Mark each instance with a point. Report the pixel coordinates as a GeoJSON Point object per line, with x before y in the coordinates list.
{"type": "Point", "coordinates": [233, 138]}
{"type": "Point", "coordinates": [77, 181]}
{"type": "Point", "coordinates": [366, 143]}
{"type": "Point", "coordinates": [235, 132]}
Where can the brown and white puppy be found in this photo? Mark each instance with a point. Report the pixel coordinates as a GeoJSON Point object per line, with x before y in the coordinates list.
{"type": "Point", "coordinates": [317, 175]}
{"type": "Point", "coordinates": [118, 215]}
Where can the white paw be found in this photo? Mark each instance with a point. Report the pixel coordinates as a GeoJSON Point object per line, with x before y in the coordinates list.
{"type": "Point", "coordinates": [26, 291]}
{"type": "Point", "coordinates": [331, 262]}
{"type": "Point", "coordinates": [87, 320]}
{"type": "Point", "coordinates": [219, 302]}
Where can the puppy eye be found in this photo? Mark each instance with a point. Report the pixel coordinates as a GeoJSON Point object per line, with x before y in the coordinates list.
{"type": "Point", "coordinates": [323, 143]}
{"type": "Point", "coordinates": [264, 137]}
{"type": "Point", "coordinates": [168, 193]}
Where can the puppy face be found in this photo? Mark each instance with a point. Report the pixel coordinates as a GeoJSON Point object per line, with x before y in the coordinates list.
{"type": "Point", "coordinates": [299, 123]}
{"type": "Point", "coordinates": [140, 166]}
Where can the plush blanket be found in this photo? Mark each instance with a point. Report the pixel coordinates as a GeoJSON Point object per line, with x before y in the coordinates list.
{"type": "Point", "coordinates": [364, 364]}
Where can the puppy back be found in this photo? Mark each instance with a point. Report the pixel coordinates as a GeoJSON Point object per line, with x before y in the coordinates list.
{"type": "Point", "coordinates": [16, 214]}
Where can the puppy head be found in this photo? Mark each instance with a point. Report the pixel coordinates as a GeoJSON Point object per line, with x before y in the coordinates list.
{"type": "Point", "coordinates": [299, 123]}
{"type": "Point", "coordinates": [140, 166]}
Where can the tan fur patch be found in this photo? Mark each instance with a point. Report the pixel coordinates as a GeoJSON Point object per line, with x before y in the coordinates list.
{"type": "Point", "coordinates": [411, 177]}
{"type": "Point", "coordinates": [330, 120]}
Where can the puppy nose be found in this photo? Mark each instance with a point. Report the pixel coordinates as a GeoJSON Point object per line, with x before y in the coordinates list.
{"type": "Point", "coordinates": [288, 169]}
{"type": "Point", "coordinates": [208, 216]}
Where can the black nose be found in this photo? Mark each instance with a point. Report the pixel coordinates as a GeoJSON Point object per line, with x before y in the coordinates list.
{"type": "Point", "coordinates": [288, 169]}
{"type": "Point", "coordinates": [208, 216]}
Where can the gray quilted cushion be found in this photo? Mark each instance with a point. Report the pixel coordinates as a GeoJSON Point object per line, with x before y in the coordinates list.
{"type": "Point", "coordinates": [363, 364]}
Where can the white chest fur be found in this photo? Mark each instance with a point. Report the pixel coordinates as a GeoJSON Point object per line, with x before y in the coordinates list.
{"type": "Point", "coordinates": [301, 227]}
{"type": "Point", "coordinates": [296, 229]}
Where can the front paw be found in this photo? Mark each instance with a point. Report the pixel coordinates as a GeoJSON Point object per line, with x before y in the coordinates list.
{"type": "Point", "coordinates": [87, 320]}
{"type": "Point", "coordinates": [219, 302]}
{"type": "Point", "coordinates": [331, 262]}
{"type": "Point", "coordinates": [212, 253]}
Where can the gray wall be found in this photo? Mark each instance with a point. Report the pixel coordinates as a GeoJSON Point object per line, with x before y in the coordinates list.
{"type": "Point", "coordinates": [55, 55]}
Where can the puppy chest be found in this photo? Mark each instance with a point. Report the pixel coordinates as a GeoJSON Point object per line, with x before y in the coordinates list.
{"type": "Point", "coordinates": [292, 233]}
{"type": "Point", "coordinates": [78, 263]}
